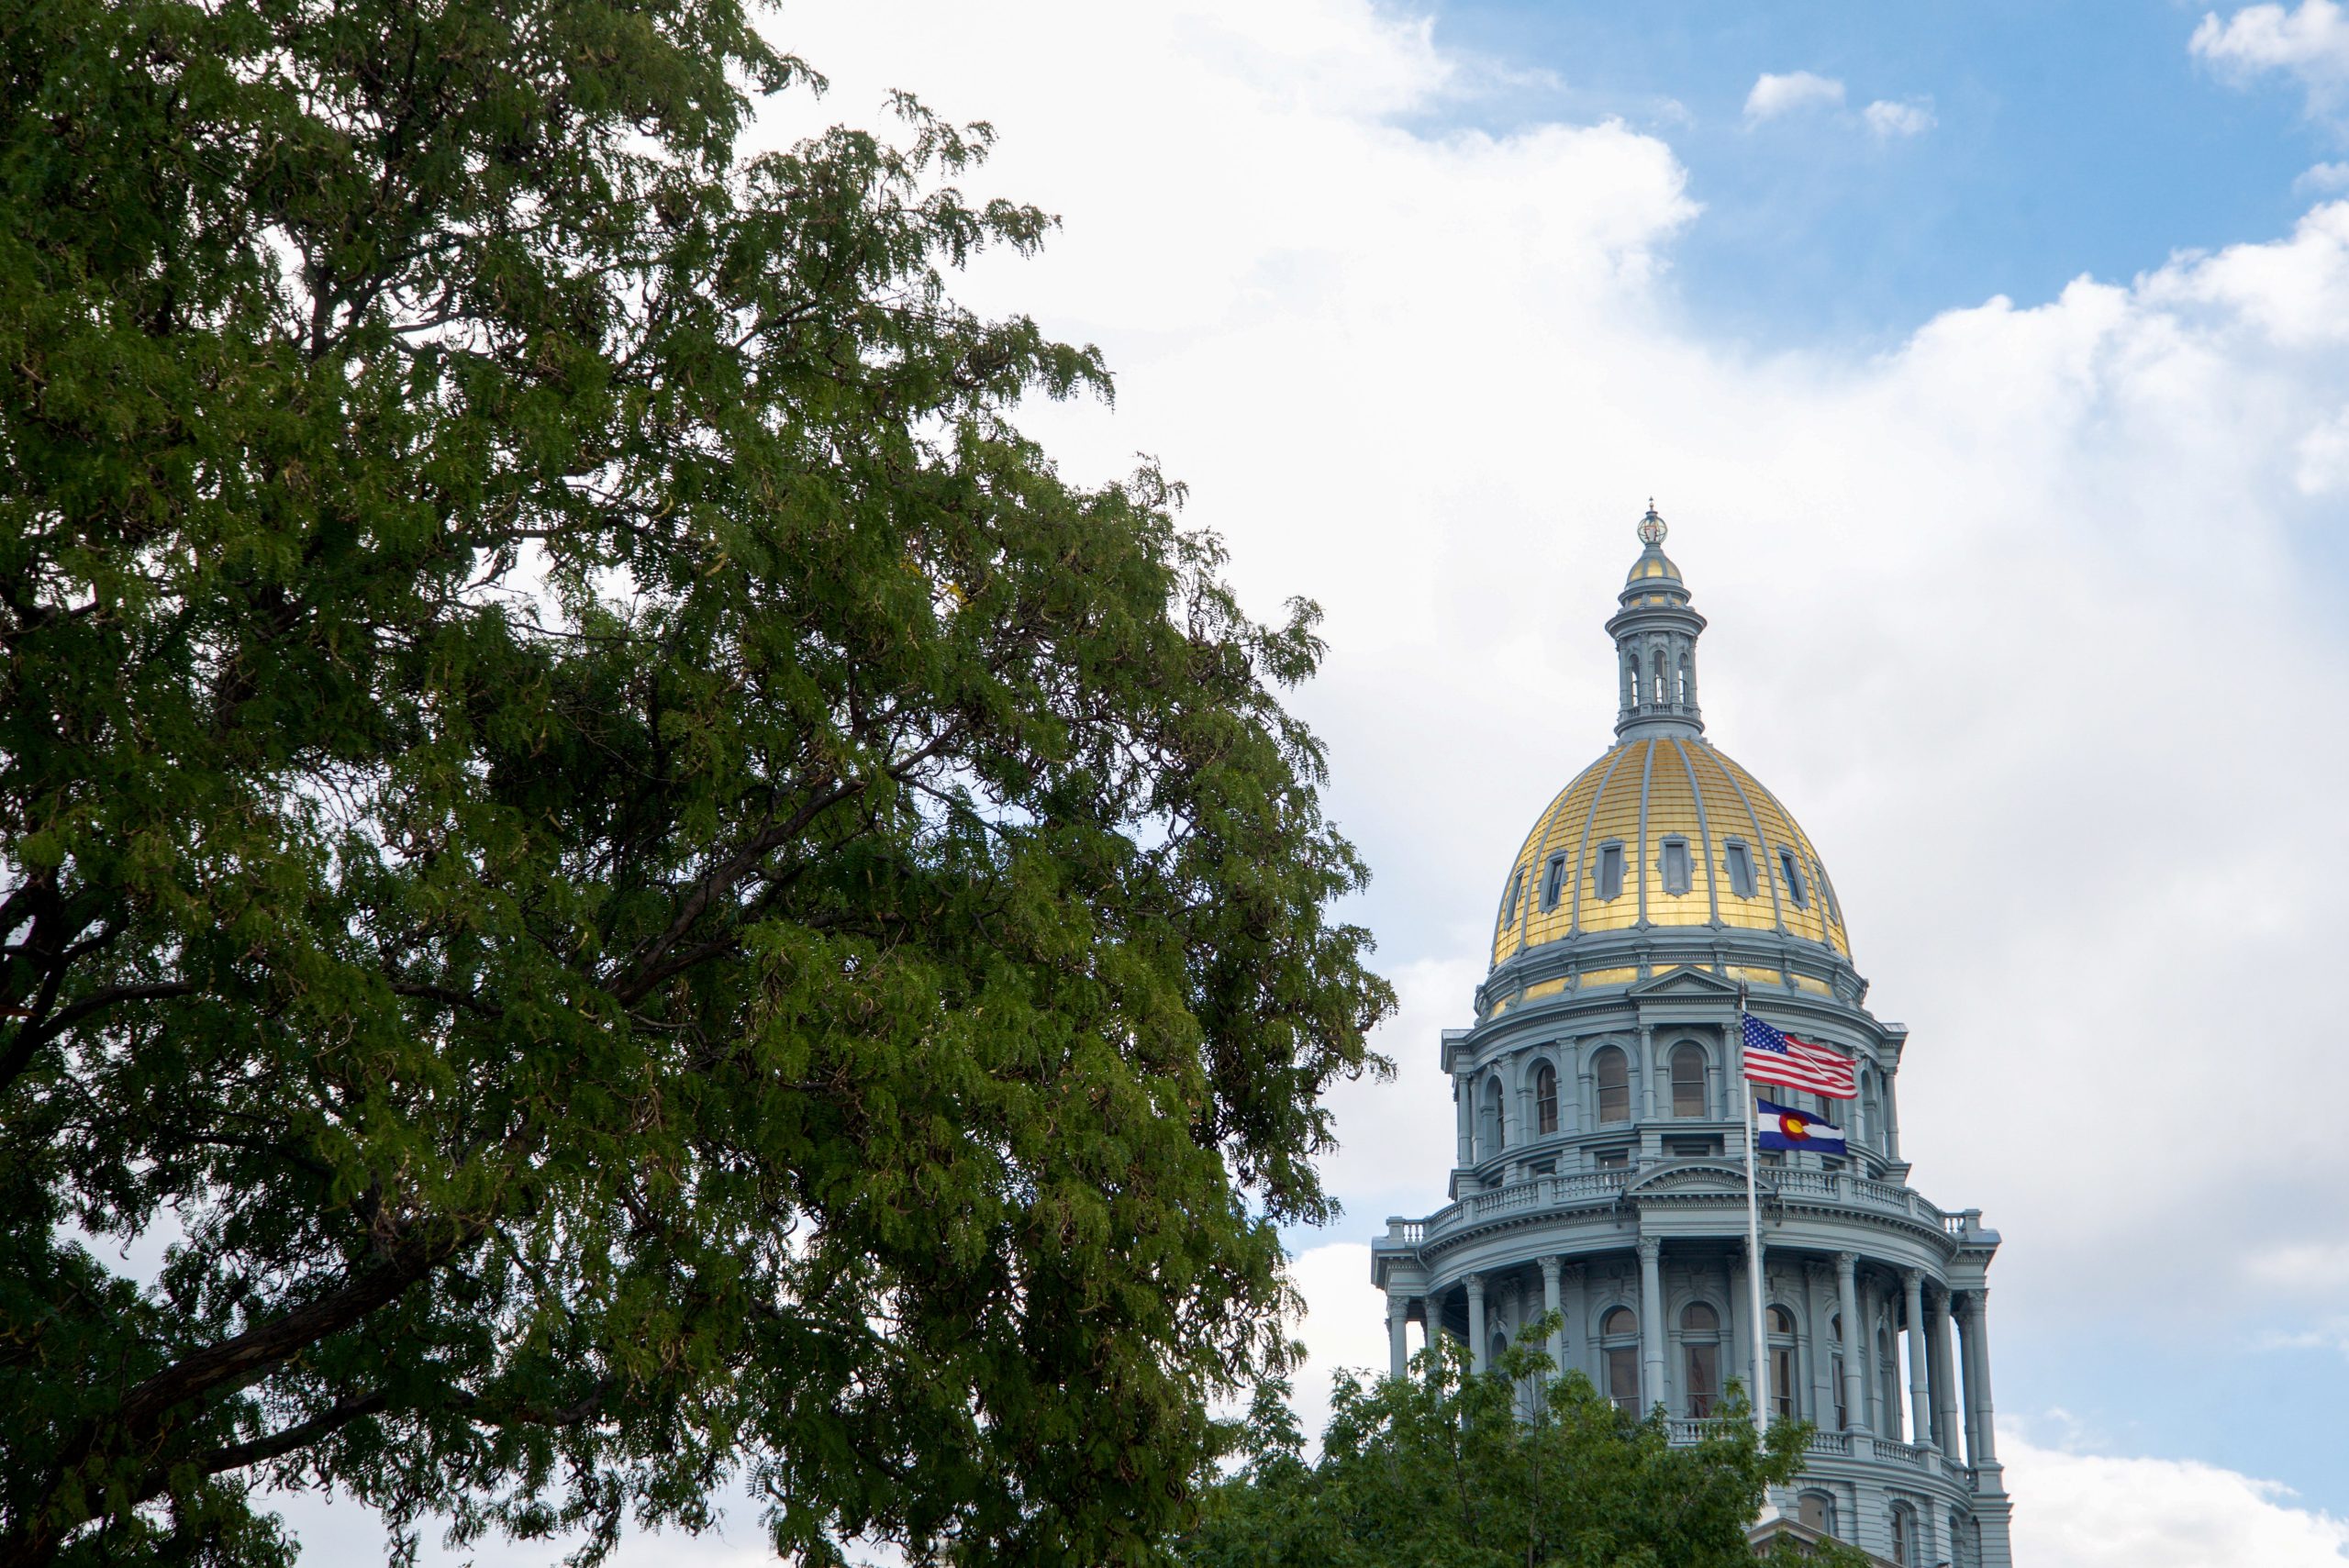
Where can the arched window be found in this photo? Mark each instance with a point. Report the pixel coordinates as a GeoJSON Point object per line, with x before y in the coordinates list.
{"type": "Point", "coordinates": [1688, 680]}
{"type": "Point", "coordinates": [1701, 1353]}
{"type": "Point", "coordinates": [1782, 1362]}
{"type": "Point", "coordinates": [1497, 1349]}
{"type": "Point", "coordinates": [1631, 680]}
{"type": "Point", "coordinates": [1817, 1511]}
{"type": "Point", "coordinates": [1545, 1099]}
{"type": "Point", "coordinates": [1904, 1536]}
{"type": "Point", "coordinates": [1958, 1555]}
{"type": "Point", "coordinates": [1612, 1070]}
{"type": "Point", "coordinates": [1661, 692]}
{"type": "Point", "coordinates": [1688, 1079]}
{"type": "Point", "coordinates": [1619, 1334]}
{"type": "Point", "coordinates": [1489, 1120]}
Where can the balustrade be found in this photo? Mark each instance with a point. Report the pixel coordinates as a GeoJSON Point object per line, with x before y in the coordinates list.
{"type": "Point", "coordinates": [1907, 1454]}
{"type": "Point", "coordinates": [1596, 1187]}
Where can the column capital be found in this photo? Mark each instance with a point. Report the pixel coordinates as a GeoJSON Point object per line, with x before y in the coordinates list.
{"type": "Point", "coordinates": [1474, 1281]}
{"type": "Point", "coordinates": [1847, 1264]}
{"type": "Point", "coordinates": [1651, 1249]}
{"type": "Point", "coordinates": [1549, 1267]}
{"type": "Point", "coordinates": [1912, 1277]}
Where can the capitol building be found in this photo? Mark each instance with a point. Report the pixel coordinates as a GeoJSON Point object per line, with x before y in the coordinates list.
{"type": "Point", "coordinates": [1602, 1125]}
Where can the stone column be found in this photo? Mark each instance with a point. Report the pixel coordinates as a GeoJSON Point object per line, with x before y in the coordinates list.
{"type": "Point", "coordinates": [1475, 1284]}
{"type": "Point", "coordinates": [1551, 1302]}
{"type": "Point", "coordinates": [1398, 1318]}
{"type": "Point", "coordinates": [1569, 1086]}
{"type": "Point", "coordinates": [1576, 1338]}
{"type": "Point", "coordinates": [1937, 1331]}
{"type": "Point", "coordinates": [1963, 1312]}
{"type": "Point", "coordinates": [1891, 1119]}
{"type": "Point", "coordinates": [1464, 1112]}
{"type": "Point", "coordinates": [1647, 1075]}
{"type": "Point", "coordinates": [1738, 1351]}
{"type": "Point", "coordinates": [1814, 1337]}
{"type": "Point", "coordinates": [1920, 1398]}
{"type": "Point", "coordinates": [1651, 1322]}
{"type": "Point", "coordinates": [1980, 1417]}
{"type": "Point", "coordinates": [1856, 1388]}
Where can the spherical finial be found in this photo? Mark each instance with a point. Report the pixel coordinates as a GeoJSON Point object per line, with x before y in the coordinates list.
{"type": "Point", "coordinates": [1651, 528]}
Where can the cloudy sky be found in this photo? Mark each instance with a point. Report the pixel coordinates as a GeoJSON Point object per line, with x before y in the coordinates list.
{"type": "Point", "coordinates": [1991, 364]}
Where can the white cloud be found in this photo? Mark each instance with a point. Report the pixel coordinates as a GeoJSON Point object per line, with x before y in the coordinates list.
{"type": "Point", "coordinates": [2081, 1510]}
{"type": "Point", "coordinates": [1773, 95]}
{"type": "Point", "coordinates": [2322, 179]}
{"type": "Point", "coordinates": [2315, 1267]}
{"type": "Point", "coordinates": [1887, 119]}
{"type": "Point", "coordinates": [2323, 466]}
{"type": "Point", "coordinates": [2309, 43]}
{"type": "Point", "coordinates": [1343, 1330]}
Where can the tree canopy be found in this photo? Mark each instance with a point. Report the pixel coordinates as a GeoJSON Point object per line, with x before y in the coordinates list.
{"type": "Point", "coordinates": [647, 897]}
{"type": "Point", "coordinates": [1510, 1467]}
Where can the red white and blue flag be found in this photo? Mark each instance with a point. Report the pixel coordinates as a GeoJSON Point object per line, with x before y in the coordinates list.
{"type": "Point", "coordinates": [1785, 1127]}
{"type": "Point", "coordinates": [1772, 1057]}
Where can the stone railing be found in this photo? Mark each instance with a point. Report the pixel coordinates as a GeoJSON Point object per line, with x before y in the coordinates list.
{"type": "Point", "coordinates": [1533, 1193]}
{"type": "Point", "coordinates": [1916, 1455]}
{"type": "Point", "coordinates": [1598, 1188]}
{"type": "Point", "coordinates": [1837, 1443]}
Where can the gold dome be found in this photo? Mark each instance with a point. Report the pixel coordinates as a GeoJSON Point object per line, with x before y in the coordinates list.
{"type": "Point", "coordinates": [1651, 810]}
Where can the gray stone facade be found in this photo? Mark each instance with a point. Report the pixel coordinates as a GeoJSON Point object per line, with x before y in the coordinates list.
{"type": "Point", "coordinates": [1599, 1169]}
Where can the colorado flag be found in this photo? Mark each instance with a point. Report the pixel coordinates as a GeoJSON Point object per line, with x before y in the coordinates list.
{"type": "Point", "coordinates": [1781, 1127]}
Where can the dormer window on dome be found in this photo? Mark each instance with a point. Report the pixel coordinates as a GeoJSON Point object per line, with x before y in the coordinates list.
{"type": "Point", "coordinates": [1739, 865]}
{"type": "Point", "coordinates": [1790, 875]}
{"type": "Point", "coordinates": [1609, 874]}
{"type": "Point", "coordinates": [1674, 867]}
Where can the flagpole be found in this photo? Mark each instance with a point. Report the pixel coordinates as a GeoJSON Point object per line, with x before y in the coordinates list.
{"type": "Point", "coordinates": [1760, 1331]}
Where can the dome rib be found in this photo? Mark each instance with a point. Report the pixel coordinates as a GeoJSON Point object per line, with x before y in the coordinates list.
{"type": "Point", "coordinates": [1704, 835]}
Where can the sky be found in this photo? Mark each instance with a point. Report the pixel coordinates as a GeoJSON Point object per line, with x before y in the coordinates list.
{"type": "Point", "coordinates": [1990, 363]}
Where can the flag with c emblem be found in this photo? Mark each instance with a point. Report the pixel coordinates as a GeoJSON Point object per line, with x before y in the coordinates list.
{"type": "Point", "coordinates": [1784, 1128]}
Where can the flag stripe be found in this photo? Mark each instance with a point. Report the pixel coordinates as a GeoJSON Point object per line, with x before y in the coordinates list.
{"type": "Point", "coordinates": [1772, 1056]}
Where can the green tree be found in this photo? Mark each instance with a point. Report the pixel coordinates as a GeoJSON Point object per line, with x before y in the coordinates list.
{"type": "Point", "coordinates": [1446, 1469]}
{"type": "Point", "coordinates": [647, 895]}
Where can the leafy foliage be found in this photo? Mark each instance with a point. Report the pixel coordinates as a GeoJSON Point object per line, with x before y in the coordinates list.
{"type": "Point", "coordinates": [645, 893]}
{"type": "Point", "coordinates": [1446, 1469]}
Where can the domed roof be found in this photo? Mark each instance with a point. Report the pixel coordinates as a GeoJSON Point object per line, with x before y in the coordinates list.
{"type": "Point", "coordinates": [1623, 827]}
{"type": "Point", "coordinates": [1663, 830]}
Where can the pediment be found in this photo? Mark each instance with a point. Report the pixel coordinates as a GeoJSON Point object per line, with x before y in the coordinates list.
{"type": "Point", "coordinates": [1696, 1175]}
{"type": "Point", "coordinates": [1683, 981]}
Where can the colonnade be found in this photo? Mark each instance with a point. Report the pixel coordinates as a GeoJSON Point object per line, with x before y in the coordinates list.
{"type": "Point", "coordinates": [1928, 1310]}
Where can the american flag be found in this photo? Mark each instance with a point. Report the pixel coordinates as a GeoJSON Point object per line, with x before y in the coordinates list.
{"type": "Point", "coordinates": [1781, 1058]}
